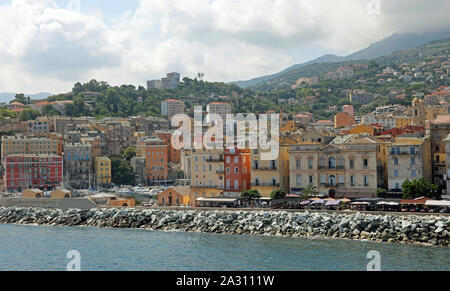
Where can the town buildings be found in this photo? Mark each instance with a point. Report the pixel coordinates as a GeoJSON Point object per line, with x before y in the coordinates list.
{"type": "Point", "coordinates": [407, 158]}
{"type": "Point", "coordinates": [24, 145]}
{"type": "Point", "coordinates": [218, 108]}
{"type": "Point", "coordinates": [171, 81]}
{"type": "Point", "coordinates": [172, 107]}
{"type": "Point", "coordinates": [361, 96]}
{"type": "Point", "coordinates": [78, 165]}
{"type": "Point", "coordinates": [156, 159]}
{"type": "Point", "coordinates": [103, 170]}
{"type": "Point", "coordinates": [345, 167]}
{"type": "Point", "coordinates": [237, 171]}
{"type": "Point", "coordinates": [32, 171]}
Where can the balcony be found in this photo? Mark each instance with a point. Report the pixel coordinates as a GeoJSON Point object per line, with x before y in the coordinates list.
{"type": "Point", "coordinates": [265, 184]}
{"type": "Point", "coordinates": [331, 168]}
{"type": "Point", "coordinates": [220, 172]}
{"type": "Point", "coordinates": [328, 185]}
{"type": "Point", "coordinates": [215, 160]}
{"type": "Point", "coordinates": [403, 153]}
{"type": "Point", "coordinates": [264, 168]}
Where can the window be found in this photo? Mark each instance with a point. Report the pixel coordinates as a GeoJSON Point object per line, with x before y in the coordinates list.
{"type": "Point", "coordinates": [413, 150]}
{"type": "Point", "coordinates": [352, 164]}
{"type": "Point", "coordinates": [365, 163]}
{"type": "Point", "coordinates": [236, 184]}
{"type": "Point", "coordinates": [311, 178]}
{"type": "Point", "coordinates": [298, 164]}
{"type": "Point", "coordinates": [352, 180]}
{"type": "Point", "coordinates": [366, 181]}
{"type": "Point", "coordinates": [332, 163]}
{"type": "Point", "coordinates": [310, 164]}
{"type": "Point", "coordinates": [299, 180]}
{"type": "Point", "coordinates": [236, 160]}
{"type": "Point", "coordinates": [413, 161]}
{"type": "Point", "coordinates": [413, 174]}
{"type": "Point", "coordinates": [396, 161]}
{"type": "Point", "coordinates": [236, 170]}
{"type": "Point", "coordinates": [395, 173]}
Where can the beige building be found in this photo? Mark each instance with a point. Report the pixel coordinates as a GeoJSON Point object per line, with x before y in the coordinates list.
{"type": "Point", "coordinates": [172, 107]}
{"type": "Point", "coordinates": [346, 167]}
{"type": "Point", "coordinates": [219, 108]}
{"type": "Point", "coordinates": [407, 158]}
{"type": "Point", "coordinates": [207, 174]}
{"type": "Point", "coordinates": [23, 145]}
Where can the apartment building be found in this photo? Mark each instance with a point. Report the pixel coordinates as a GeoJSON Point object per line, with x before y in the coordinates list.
{"type": "Point", "coordinates": [23, 172]}
{"type": "Point", "coordinates": [439, 130]}
{"type": "Point", "coordinates": [361, 96]}
{"type": "Point", "coordinates": [237, 172]}
{"type": "Point", "coordinates": [343, 119]}
{"type": "Point", "coordinates": [23, 145]}
{"type": "Point", "coordinates": [346, 167]}
{"type": "Point", "coordinates": [269, 175]}
{"type": "Point", "coordinates": [39, 126]}
{"type": "Point", "coordinates": [174, 154]}
{"type": "Point", "coordinates": [407, 158]}
{"type": "Point", "coordinates": [172, 107]}
{"type": "Point", "coordinates": [78, 165]}
{"type": "Point", "coordinates": [219, 108]}
{"type": "Point", "coordinates": [156, 153]}
{"type": "Point", "coordinates": [103, 170]}
{"type": "Point", "coordinates": [207, 173]}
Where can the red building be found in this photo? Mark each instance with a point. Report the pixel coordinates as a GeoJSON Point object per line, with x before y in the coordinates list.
{"type": "Point", "coordinates": [32, 171]}
{"type": "Point", "coordinates": [237, 171]}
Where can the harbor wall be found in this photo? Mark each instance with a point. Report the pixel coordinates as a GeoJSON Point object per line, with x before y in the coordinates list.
{"type": "Point", "coordinates": [408, 229]}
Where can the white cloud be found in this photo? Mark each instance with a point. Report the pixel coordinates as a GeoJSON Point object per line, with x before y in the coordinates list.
{"type": "Point", "coordinates": [47, 48]}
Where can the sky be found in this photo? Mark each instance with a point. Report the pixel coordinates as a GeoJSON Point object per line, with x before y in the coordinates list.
{"type": "Point", "coordinates": [48, 45]}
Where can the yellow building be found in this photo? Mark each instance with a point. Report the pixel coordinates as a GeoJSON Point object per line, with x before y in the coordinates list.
{"type": "Point", "coordinates": [103, 170]}
{"type": "Point", "coordinates": [269, 175]}
{"type": "Point", "coordinates": [403, 121]}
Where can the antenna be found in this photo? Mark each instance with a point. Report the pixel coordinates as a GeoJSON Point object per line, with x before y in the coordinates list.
{"type": "Point", "coordinates": [200, 76]}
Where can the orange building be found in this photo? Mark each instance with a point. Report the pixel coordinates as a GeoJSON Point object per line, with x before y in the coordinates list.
{"type": "Point", "coordinates": [237, 171]}
{"type": "Point", "coordinates": [156, 159]}
{"type": "Point", "coordinates": [174, 154]}
{"type": "Point", "coordinates": [343, 119]}
{"type": "Point", "coordinates": [174, 196]}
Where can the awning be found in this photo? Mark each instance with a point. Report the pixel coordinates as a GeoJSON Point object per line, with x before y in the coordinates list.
{"type": "Point", "coordinates": [345, 200]}
{"type": "Point", "coordinates": [333, 203]}
{"type": "Point", "coordinates": [414, 201]}
{"type": "Point", "coordinates": [306, 202]}
{"type": "Point", "coordinates": [360, 203]}
{"type": "Point", "coordinates": [227, 200]}
{"type": "Point", "coordinates": [388, 203]}
{"type": "Point", "coordinates": [318, 202]}
{"type": "Point", "coordinates": [442, 203]}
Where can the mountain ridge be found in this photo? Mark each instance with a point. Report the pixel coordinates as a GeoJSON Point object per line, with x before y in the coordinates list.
{"type": "Point", "coordinates": [377, 49]}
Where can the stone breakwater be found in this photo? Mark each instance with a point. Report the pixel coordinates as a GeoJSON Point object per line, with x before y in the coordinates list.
{"type": "Point", "coordinates": [430, 230]}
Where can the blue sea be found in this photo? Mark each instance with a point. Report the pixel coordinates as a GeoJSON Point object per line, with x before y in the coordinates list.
{"type": "Point", "coordinates": [46, 248]}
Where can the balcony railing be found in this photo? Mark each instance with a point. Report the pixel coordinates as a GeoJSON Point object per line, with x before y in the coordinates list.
{"type": "Point", "coordinates": [403, 153]}
{"type": "Point", "coordinates": [264, 168]}
{"type": "Point", "coordinates": [215, 160]}
{"type": "Point", "coordinates": [331, 168]}
{"type": "Point", "coordinates": [265, 184]}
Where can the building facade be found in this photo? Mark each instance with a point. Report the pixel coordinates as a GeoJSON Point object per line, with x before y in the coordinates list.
{"type": "Point", "coordinates": [32, 171]}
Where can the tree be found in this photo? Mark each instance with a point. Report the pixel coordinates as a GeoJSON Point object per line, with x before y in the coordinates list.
{"type": "Point", "coordinates": [381, 193]}
{"type": "Point", "coordinates": [129, 153]}
{"type": "Point", "coordinates": [310, 191]}
{"type": "Point", "coordinates": [278, 194]}
{"type": "Point", "coordinates": [122, 172]}
{"type": "Point", "coordinates": [29, 114]}
{"type": "Point", "coordinates": [251, 195]}
{"type": "Point", "coordinates": [418, 188]}
{"type": "Point", "coordinates": [49, 110]}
